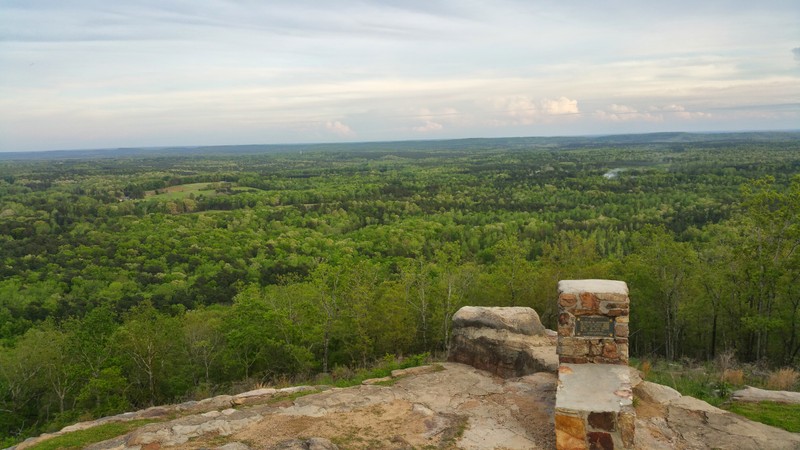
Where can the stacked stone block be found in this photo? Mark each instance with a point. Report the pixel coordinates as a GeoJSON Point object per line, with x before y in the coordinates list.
{"type": "Point", "coordinates": [574, 304]}
{"type": "Point", "coordinates": [599, 434]}
{"type": "Point", "coordinates": [594, 403]}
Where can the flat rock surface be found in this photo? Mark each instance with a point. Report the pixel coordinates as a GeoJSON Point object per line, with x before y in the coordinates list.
{"type": "Point", "coordinates": [516, 319]}
{"type": "Point", "coordinates": [593, 387]}
{"type": "Point", "coordinates": [458, 407]}
{"type": "Point", "coordinates": [668, 420]}
{"type": "Point", "coordinates": [455, 406]}
{"type": "Point", "coordinates": [751, 394]}
{"type": "Point", "coordinates": [593, 286]}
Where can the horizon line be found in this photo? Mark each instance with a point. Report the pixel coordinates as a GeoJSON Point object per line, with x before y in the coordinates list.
{"type": "Point", "coordinates": [322, 143]}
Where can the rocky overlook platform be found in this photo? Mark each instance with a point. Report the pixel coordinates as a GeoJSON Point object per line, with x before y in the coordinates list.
{"type": "Point", "coordinates": [447, 405]}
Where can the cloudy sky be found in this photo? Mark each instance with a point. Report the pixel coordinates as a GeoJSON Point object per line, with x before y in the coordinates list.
{"type": "Point", "coordinates": [100, 73]}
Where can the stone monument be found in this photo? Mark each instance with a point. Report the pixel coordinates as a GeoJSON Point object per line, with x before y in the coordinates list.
{"type": "Point", "coordinates": [594, 401]}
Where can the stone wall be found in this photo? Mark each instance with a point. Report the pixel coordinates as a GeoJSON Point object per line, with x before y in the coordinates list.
{"type": "Point", "coordinates": [594, 400]}
{"type": "Point", "coordinates": [593, 321]}
{"type": "Point", "coordinates": [594, 407]}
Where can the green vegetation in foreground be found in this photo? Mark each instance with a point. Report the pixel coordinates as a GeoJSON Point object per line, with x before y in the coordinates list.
{"type": "Point", "coordinates": [706, 382]}
{"type": "Point", "coordinates": [291, 397]}
{"type": "Point", "coordinates": [775, 414]}
{"type": "Point", "coordinates": [82, 438]}
{"type": "Point", "coordinates": [345, 377]}
{"type": "Point", "coordinates": [701, 381]}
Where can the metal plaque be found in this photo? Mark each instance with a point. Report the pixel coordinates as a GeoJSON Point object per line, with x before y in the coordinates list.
{"type": "Point", "coordinates": [594, 326]}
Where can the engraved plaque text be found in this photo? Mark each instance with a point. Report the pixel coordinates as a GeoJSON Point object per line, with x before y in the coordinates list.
{"type": "Point", "coordinates": [594, 326]}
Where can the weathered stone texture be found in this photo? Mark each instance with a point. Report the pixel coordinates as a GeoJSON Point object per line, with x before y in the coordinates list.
{"type": "Point", "coordinates": [593, 333]}
{"type": "Point", "coordinates": [626, 421]}
{"type": "Point", "coordinates": [565, 441]}
{"type": "Point", "coordinates": [570, 432]}
{"type": "Point", "coordinates": [603, 421]}
{"type": "Point", "coordinates": [509, 342]}
{"type": "Point", "coordinates": [518, 320]}
{"type": "Point", "coordinates": [593, 298]}
{"type": "Point", "coordinates": [751, 394]}
{"type": "Point", "coordinates": [599, 440]}
{"type": "Point", "coordinates": [688, 423]}
{"type": "Point", "coordinates": [314, 443]}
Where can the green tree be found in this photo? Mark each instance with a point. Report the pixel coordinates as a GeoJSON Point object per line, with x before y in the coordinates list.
{"type": "Point", "coordinates": [453, 282]}
{"type": "Point", "coordinates": [659, 273]}
{"type": "Point", "coordinates": [417, 279]}
{"type": "Point", "coordinates": [328, 282]}
{"type": "Point", "coordinates": [246, 324]}
{"type": "Point", "coordinates": [772, 223]}
{"type": "Point", "coordinates": [512, 272]}
{"type": "Point", "coordinates": [149, 345]}
{"type": "Point", "coordinates": [203, 331]}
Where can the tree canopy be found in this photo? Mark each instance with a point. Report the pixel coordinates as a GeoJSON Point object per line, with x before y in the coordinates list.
{"type": "Point", "coordinates": [144, 279]}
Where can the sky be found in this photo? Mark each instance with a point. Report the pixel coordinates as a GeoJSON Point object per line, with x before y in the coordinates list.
{"type": "Point", "coordinates": [140, 73]}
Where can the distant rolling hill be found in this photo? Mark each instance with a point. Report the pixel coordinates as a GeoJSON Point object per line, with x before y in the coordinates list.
{"type": "Point", "coordinates": [411, 146]}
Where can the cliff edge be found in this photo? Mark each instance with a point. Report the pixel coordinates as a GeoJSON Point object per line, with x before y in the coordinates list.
{"type": "Point", "coordinates": [506, 403]}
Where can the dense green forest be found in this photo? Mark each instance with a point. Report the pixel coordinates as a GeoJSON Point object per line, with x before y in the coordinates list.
{"type": "Point", "coordinates": [131, 278]}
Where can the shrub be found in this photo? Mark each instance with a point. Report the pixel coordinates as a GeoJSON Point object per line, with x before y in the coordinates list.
{"type": "Point", "coordinates": [784, 379]}
{"type": "Point", "coordinates": [726, 360]}
{"type": "Point", "coordinates": [733, 377]}
{"type": "Point", "coordinates": [646, 368]}
{"type": "Point", "coordinates": [342, 373]}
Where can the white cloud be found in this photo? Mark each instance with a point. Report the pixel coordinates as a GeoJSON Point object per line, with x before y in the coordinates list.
{"type": "Point", "coordinates": [445, 114]}
{"type": "Point", "coordinates": [338, 128]}
{"type": "Point", "coordinates": [680, 112]}
{"type": "Point", "coordinates": [428, 127]}
{"type": "Point", "coordinates": [562, 105]}
{"type": "Point", "coordinates": [624, 113]}
{"type": "Point", "coordinates": [517, 110]}
{"type": "Point", "coordinates": [524, 110]}
{"type": "Point", "coordinates": [177, 72]}
{"type": "Point", "coordinates": [433, 119]}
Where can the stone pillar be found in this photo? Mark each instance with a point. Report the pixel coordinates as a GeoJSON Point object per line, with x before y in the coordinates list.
{"type": "Point", "coordinates": [594, 401]}
{"type": "Point", "coordinates": [593, 322]}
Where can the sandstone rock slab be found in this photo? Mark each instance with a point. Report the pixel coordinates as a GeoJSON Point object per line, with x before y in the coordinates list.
{"type": "Point", "coordinates": [667, 419]}
{"type": "Point", "coordinates": [489, 411]}
{"type": "Point", "coordinates": [314, 443]}
{"type": "Point", "coordinates": [518, 320]}
{"type": "Point", "coordinates": [755, 395]}
{"type": "Point", "coordinates": [509, 342]}
{"type": "Point", "coordinates": [657, 393]}
{"type": "Point", "coordinates": [233, 446]}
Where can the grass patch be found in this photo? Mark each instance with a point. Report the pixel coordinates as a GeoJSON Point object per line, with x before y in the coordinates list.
{"type": "Point", "coordinates": [454, 433]}
{"type": "Point", "coordinates": [699, 382]}
{"type": "Point", "coordinates": [389, 382]}
{"type": "Point", "coordinates": [291, 397]}
{"type": "Point", "coordinates": [182, 191]}
{"type": "Point", "coordinates": [343, 377]}
{"type": "Point", "coordinates": [770, 413]}
{"type": "Point", "coordinates": [82, 438]}
{"type": "Point", "coordinates": [715, 385]}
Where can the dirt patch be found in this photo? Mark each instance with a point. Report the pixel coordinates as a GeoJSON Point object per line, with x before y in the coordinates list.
{"type": "Point", "coordinates": [536, 417]}
{"type": "Point", "coordinates": [393, 425]}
